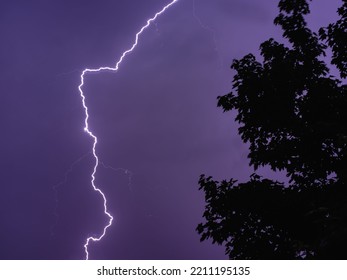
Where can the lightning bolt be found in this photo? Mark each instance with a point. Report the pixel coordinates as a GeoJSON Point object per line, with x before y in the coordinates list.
{"type": "Point", "coordinates": [93, 136]}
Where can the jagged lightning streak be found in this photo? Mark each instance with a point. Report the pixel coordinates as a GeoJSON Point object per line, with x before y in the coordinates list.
{"type": "Point", "coordinates": [90, 133]}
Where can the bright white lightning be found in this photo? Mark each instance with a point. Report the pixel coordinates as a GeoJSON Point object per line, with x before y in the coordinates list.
{"type": "Point", "coordinates": [90, 133]}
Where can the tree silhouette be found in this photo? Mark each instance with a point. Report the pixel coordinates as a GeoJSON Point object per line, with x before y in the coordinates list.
{"type": "Point", "coordinates": [293, 114]}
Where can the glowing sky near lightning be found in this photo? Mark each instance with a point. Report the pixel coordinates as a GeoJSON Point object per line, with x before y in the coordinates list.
{"type": "Point", "coordinates": [156, 117]}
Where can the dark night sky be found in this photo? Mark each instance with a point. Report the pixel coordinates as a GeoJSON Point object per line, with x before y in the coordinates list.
{"type": "Point", "coordinates": [156, 117]}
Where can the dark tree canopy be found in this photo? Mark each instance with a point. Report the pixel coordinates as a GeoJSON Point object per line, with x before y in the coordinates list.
{"type": "Point", "coordinates": [293, 114]}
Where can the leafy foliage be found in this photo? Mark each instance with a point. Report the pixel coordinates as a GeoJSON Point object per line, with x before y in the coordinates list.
{"type": "Point", "coordinates": [293, 114]}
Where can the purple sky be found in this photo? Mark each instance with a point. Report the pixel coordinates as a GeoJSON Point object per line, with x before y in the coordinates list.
{"type": "Point", "coordinates": [156, 117]}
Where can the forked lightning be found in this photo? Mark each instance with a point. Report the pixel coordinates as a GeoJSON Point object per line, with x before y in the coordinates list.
{"type": "Point", "coordinates": [90, 133]}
